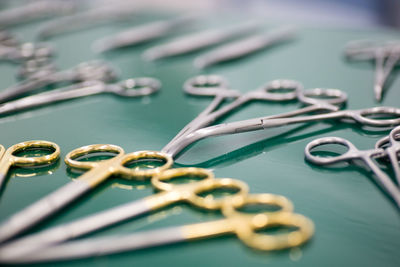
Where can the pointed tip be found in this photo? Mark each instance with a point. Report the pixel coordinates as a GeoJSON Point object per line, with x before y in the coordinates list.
{"type": "Point", "coordinates": [378, 92]}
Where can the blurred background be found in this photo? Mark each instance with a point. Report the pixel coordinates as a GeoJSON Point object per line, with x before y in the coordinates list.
{"type": "Point", "coordinates": [346, 13]}
{"type": "Point", "coordinates": [343, 13]}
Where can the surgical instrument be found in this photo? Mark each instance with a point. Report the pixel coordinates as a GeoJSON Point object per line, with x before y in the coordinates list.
{"type": "Point", "coordinates": [25, 51]}
{"type": "Point", "coordinates": [142, 33]}
{"type": "Point", "coordinates": [35, 10]}
{"type": "Point", "coordinates": [273, 91]}
{"type": "Point", "coordinates": [168, 193]}
{"type": "Point", "coordinates": [242, 224]}
{"type": "Point", "coordinates": [353, 153]}
{"type": "Point", "coordinates": [316, 99]}
{"type": "Point", "coordinates": [88, 18]}
{"type": "Point", "coordinates": [360, 116]}
{"type": "Point", "coordinates": [244, 47]}
{"type": "Point", "coordinates": [47, 75]}
{"type": "Point", "coordinates": [99, 171]}
{"type": "Point", "coordinates": [391, 146]}
{"type": "Point", "coordinates": [385, 55]}
{"type": "Point", "coordinates": [197, 41]}
{"type": "Point", "coordinates": [129, 88]}
{"type": "Point", "coordinates": [9, 159]}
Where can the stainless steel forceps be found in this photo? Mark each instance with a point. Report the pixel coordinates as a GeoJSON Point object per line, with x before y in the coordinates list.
{"type": "Point", "coordinates": [366, 156]}
{"type": "Point", "coordinates": [47, 75]}
{"type": "Point", "coordinates": [386, 55]}
{"type": "Point", "coordinates": [391, 146]}
{"type": "Point", "coordinates": [317, 100]}
{"type": "Point", "coordinates": [128, 88]}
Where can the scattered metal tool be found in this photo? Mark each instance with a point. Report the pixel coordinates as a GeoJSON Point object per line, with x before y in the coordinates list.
{"type": "Point", "coordinates": [89, 18]}
{"type": "Point", "coordinates": [36, 10]}
{"type": "Point", "coordinates": [385, 54]}
{"type": "Point", "coordinates": [383, 148]}
{"type": "Point", "coordinates": [142, 33]}
{"type": "Point", "coordinates": [47, 75]}
{"type": "Point", "coordinates": [244, 47]}
{"type": "Point", "coordinates": [129, 88]}
{"type": "Point", "coordinates": [198, 41]}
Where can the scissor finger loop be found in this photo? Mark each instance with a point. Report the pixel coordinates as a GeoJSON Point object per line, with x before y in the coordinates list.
{"type": "Point", "coordinates": [304, 231]}
{"type": "Point", "coordinates": [70, 158]}
{"type": "Point", "coordinates": [146, 155]}
{"type": "Point", "coordinates": [280, 90]}
{"type": "Point", "coordinates": [135, 87]}
{"type": "Point", "coordinates": [161, 180]}
{"type": "Point", "coordinates": [34, 161]}
{"type": "Point", "coordinates": [351, 153]}
{"type": "Point", "coordinates": [210, 202]}
{"type": "Point", "coordinates": [376, 116]}
{"type": "Point", "coordinates": [209, 85]}
{"type": "Point", "coordinates": [323, 95]}
{"type": "Point", "coordinates": [94, 70]}
{"type": "Point", "coordinates": [246, 224]}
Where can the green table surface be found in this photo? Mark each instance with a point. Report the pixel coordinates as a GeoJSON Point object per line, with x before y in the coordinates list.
{"type": "Point", "coordinates": [356, 223]}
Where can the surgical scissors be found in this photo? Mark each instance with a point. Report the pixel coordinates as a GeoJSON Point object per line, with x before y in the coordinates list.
{"type": "Point", "coordinates": [242, 224]}
{"type": "Point", "coordinates": [386, 55]}
{"type": "Point", "coordinates": [9, 159]}
{"type": "Point", "coordinates": [353, 153]}
{"type": "Point", "coordinates": [129, 88]}
{"type": "Point", "coordinates": [169, 193]}
{"type": "Point", "coordinates": [99, 171]}
{"type": "Point", "coordinates": [47, 75]}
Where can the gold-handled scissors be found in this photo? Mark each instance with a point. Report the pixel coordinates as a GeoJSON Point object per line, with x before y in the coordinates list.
{"type": "Point", "coordinates": [242, 224]}
{"type": "Point", "coordinates": [9, 159]}
{"type": "Point", "coordinates": [191, 191]}
{"type": "Point", "coordinates": [99, 171]}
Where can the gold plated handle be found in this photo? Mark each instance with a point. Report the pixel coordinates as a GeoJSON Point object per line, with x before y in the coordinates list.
{"type": "Point", "coordinates": [33, 161]}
